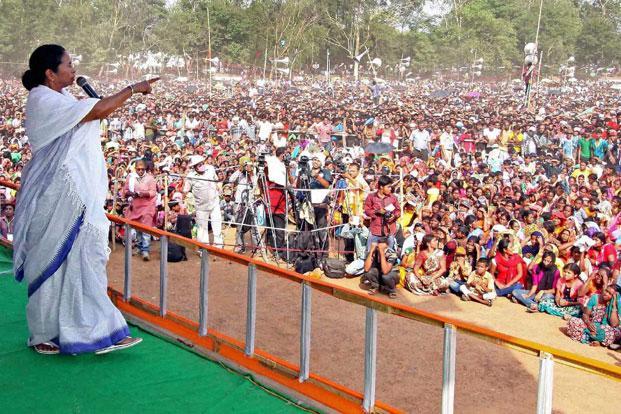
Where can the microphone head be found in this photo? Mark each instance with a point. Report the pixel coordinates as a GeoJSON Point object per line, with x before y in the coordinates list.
{"type": "Point", "coordinates": [81, 81]}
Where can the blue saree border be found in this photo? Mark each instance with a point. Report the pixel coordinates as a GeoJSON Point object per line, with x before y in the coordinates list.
{"type": "Point", "coordinates": [58, 260]}
{"type": "Point", "coordinates": [82, 347]}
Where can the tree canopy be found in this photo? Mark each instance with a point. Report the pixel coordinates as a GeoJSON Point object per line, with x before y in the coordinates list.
{"type": "Point", "coordinates": [438, 34]}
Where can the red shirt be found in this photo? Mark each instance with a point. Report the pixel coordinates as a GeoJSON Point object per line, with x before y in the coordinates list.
{"type": "Point", "coordinates": [372, 205]}
{"type": "Point", "coordinates": [277, 198]}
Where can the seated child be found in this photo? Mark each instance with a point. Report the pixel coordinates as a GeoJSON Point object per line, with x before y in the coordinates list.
{"type": "Point", "coordinates": [480, 285]}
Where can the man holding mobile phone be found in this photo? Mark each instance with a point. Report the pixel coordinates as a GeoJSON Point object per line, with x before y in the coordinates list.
{"type": "Point", "coordinates": [382, 207]}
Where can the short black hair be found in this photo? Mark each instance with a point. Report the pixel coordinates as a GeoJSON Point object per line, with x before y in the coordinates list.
{"type": "Point", "coordinates": [384, 180]}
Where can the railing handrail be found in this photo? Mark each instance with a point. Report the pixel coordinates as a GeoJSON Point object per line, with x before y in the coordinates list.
{"type": "Point", "coordinates": [384, 305]}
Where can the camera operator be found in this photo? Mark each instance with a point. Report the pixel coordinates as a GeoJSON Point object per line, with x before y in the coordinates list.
{"type": "Point", "coordinates": [382, 207]}
{"type": "Point", "coordinates": [244, 198]}
{"type": "Point", "coordinates": [352, 200]}
{"type": "Point", "coordinates": [277, 205]}
{"type": "Point", "coordinates": [321, 178]}
{"type": "Point", "coordinates": [380, 272]}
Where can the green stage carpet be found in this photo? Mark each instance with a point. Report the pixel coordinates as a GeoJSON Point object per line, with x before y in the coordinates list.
{"type": "Point", "coordinates": [154, 377]}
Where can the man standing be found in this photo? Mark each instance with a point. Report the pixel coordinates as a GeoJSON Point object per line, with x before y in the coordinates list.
{"type": "Point", "coordinates": [382, 207]}
{"type": "Point", "coordinates": [324, 131]}
{"type": "Point", "coordinates": [202, 182]}
{"type": "Point", "coordinates": [447, 145]}
{"type": "Point", "coordinates": [420, 141]}
{"type": "Point", "coordinates": [277, 199]}
{"type": "Point", "coordinates": [246, 182]}
{"type": "Point", "coordinates": [141, 193]}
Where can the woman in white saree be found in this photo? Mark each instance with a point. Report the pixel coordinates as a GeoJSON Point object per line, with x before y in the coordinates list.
{"type": "Point", "coordinates": [60, 240]}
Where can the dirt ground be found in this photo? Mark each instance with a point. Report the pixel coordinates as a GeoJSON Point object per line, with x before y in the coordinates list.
{"type": "Point", "coordinates": [489, 378]}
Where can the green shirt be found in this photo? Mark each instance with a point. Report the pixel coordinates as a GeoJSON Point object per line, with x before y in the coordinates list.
{"type": "Point", "coordinates": [585, 147]}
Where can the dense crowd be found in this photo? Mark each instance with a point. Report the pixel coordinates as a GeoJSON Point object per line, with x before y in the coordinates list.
{"type": "Point", "coordinates": [436, 186]}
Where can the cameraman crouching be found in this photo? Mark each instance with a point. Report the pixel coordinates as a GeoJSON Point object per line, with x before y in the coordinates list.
{"type": "Point", "coordinates": [380, 273]}
{"type": "Point", "coordinates": [382, 207]}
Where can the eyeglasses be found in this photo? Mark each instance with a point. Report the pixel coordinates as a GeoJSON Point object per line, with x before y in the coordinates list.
{"type": "Point", "coordinates": [140, 169]}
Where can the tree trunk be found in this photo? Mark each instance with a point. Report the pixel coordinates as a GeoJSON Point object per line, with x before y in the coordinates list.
{"type": "Point", "coordinates": [356, 51]}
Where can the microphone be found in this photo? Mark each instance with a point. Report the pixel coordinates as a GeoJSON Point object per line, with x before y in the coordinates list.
{"type": "Point", "coordinates": [83, 83]}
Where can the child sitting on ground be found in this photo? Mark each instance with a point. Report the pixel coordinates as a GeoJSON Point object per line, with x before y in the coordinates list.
{"type": "Point", "coordinates": [480, 285]}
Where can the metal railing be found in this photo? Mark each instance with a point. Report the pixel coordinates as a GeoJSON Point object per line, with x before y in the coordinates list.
{"type": "Point", "coordinates": [548, 355]}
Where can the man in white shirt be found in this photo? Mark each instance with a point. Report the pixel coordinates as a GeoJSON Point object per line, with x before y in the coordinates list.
{"type": "Point", "coordinates": [447, 145]}
{"type": "Point", "coordinates": [202, 183]}
{"type": "Point", "coordinates": [421, 139]}
{"type": "Point", "coordinates": [265, 129]}
{"type": "Point", "coordinates": [138, 127]}
{"type": "Point", "coordinates": [491, 134]}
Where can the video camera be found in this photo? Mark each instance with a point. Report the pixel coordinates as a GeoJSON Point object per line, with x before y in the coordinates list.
{"type": "Point", "coordinates": [261, 160]}
{"type": "Point", "coordinates": [304, 167]}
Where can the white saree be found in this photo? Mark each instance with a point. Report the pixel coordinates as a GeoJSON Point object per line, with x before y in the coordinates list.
{"type": "Point", "coordinates": [60, 240]}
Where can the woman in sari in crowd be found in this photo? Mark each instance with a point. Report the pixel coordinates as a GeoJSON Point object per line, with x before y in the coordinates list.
{"type": "Point", "coordinates": [594, 284]}
{"type": "Point", "coordinates": [427, 276]}
{"type": "Point", "coordinates": [602, 252]}
{"type": "Point", "coordinates": [507, 269]}
{"type": "Point", "coordinates": [545, 276]}
{"type": "Point", "coordinates": [599, 324]}
{"type": "Point", "coordinates": [565, 302]}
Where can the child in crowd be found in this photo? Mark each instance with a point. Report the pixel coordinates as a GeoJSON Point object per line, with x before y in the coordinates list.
{"type": "Point", "coordinates": [480, 285]}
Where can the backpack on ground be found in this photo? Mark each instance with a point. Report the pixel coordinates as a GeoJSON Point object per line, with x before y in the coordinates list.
{"type": "Point", "coordinates": [334, 268]}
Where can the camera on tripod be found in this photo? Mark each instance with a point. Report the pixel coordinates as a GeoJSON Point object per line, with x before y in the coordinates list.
{"type": "Point", "coordinates": [304, 167]}
{"type": "Point", "coordinates": [340, 166]}
{"type": "Point", "coordinates": [287, 159]}
{"type": "Point", "coordinates": [261, 160]}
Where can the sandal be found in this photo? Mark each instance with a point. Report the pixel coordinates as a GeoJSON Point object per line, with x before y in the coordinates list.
{"type": "Point", "coordinates": [47, 348]}
{"type": "Point", "coordinates": [372, 291]}
{"type": "Point", "coordinates": [489, 303]}
{"type": "Point", "coordinates": [392, 295]}
{"type": "Point", "coordinates": [465, 298]}
{"type": "Point", "coordinates": [125, 343]}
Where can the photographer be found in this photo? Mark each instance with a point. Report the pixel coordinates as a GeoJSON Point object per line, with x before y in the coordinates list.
{"type": "Point", "coordinates": [321, 178]}
{"type": "Point", "coordinates": [246, 182]}
{"type": "Point", "coordinates": [380, 273]}
{"type": "Point", "coordinates": [382, 207]}
{"type": "Point", "coordinates": [277, 204]}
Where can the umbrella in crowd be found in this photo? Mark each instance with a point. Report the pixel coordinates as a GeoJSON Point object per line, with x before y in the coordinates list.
{"type": "Point", "coordinates": [442, 93]}
{"type": "Point", "coordinates": [378, 148]}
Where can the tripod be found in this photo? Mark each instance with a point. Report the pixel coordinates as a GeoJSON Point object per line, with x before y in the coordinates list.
{"type": "Point", "coordinates": [265, 198]}
{"type": "Point", "coordinates": [249, 219]}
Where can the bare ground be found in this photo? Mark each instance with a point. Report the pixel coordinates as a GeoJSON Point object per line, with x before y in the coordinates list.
{"type": "Point", "coordinates": [490, 378]}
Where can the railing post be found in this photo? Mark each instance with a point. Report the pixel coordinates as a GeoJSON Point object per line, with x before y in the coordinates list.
{"type": "Point", "coordinates": [163, 273]}
{"type": "Point", "coordinates": [305, 333]}
{"type": "Point", "coordinates": [127, 284]}
{"type": "Point", "coordinates": [251, 309]}
{"type": "Point", "coordinates": [448, 369]}
{"type": "Point", "coordinates": [370, 359]}
{"type": "Point", "coordinates": [546, 380]}
{"type": "Point", "coordinates": [203, 298]}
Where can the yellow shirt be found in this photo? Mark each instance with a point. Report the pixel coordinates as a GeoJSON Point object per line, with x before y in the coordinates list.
{"type": "Point", "coordinates": [578, 172]}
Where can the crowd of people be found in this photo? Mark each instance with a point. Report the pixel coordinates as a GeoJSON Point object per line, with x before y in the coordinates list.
{"type": "Point", "coordinates": [440, 187]}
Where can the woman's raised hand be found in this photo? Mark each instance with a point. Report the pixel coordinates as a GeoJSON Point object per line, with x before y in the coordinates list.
{"type": "Point", "coordinates": [144, 87]}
